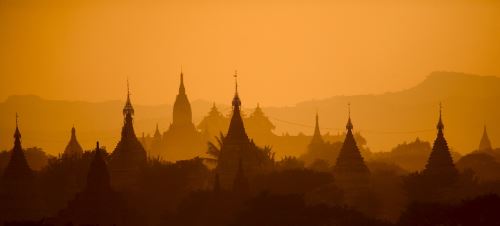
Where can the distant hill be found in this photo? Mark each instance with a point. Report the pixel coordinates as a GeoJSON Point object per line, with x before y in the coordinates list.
{"type": "Point", "coordinates": [469, 101]}
{"type": "Point", "coordinates": [385, 120]}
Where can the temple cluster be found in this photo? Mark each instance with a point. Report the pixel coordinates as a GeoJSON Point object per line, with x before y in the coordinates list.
{"type": "Point", "coordinates": [232, 170]}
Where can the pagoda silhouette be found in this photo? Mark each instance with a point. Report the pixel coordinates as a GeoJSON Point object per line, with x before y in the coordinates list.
{"type": "Point", "coordinates": [485, 143]}
{"type": "Point", "coordinates": [19, 200]}
{"type": "Point", "coordinates": [73, 150]}
{"type": "Point", "coordinates": [317, 141]}
{"type": "Point", "coordinates": [182, 140]}
{"type": "Point", "coordinates": [98, 203]}
{"type": "Point", "coordinates": [440, 164]}
{"type": "Point", "coordinates": [129, 154]}
{"type": "Point", "coordinates": [259, 127]}
{"type": "Point", "coordinates": [238, 153]}
{"type": "Point", "coordinates": [350, 171]}
{"type": "Point", "coordinates": [213, 124]}
{"type": "Point", "coordinates": [156, 147]}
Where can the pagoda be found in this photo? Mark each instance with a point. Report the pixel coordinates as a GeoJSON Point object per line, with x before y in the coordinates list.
{"type": "Point", "coordinates": [213, 124]}
{"type": "Point", "coordinates": [18, 193]}
{"type": "Point", "coordinates": [182, 140]}
{"type": "Point", "coordinates": [317, 139]}
{"type": "Point", "coordinates": [259, 127]}
{"type": "Point", "coordinates": [73, 150]}
{"type": "Point", "coordinates": [238, 152]}
{"type": "Point", "coordinates": [440, 164]}
{"type": "Point", "coordinates": [98, 203]}
{"type": "Point", "coordinates": [129, 154]}
{"type": "Point", "coordinates": [485, 144]}
{"type": "Point", "coordinates": [350, 171]}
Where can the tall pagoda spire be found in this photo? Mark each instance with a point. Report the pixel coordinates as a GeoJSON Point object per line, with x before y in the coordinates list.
{"type": "Point", "coordinates": [182, 89]}
{"type": "Point", "coordinates": [128, 109]}
{"type": "Point", "coordinates": [182, 115]}
{"type": "Point", "coordinates": [129, 153]}
{"type": "Point", "coordinates": [157, 132]}
{"type": "Point", "coordinates": [440, 161]}
{"type": "Point", "coordinates": [485, 144]}
{"type": "Point", "coordinates": [350, 160]}
{"type": "Point", "coordinates": [317, 138]}
{"type": "Point", "coordinates": [236, 128]}
{"type": "Point", "coordinates": [17, 168]}
{"type": "Point", "coordinates": [73, 149]}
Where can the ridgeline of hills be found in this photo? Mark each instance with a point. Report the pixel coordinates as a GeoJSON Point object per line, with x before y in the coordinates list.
{"type": "Point", "coordinates": [385, 120]}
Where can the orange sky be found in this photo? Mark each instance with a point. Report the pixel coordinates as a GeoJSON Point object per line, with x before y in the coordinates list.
{"type": "Point", "coordinates": [285, 51]}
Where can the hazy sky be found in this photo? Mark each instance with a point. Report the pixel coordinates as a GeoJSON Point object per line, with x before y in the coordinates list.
{"type": "Point", "coordinates": [285, 51]}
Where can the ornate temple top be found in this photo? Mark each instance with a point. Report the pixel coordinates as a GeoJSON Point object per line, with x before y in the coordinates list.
{"type": "Point", "coordinates": [73, 149]}
{"type": "Point", "coordinates": [440, 160]}
{"type": "Point", "coordinates": [17, 168]}
{"type": "Point", "coordinates": [349, 126]}
{"type": "Point", "coordinates": [236, 129]}
{"type": "Point", "coordinates": [129, 151]}
{"type": "Point", "coordinates": [350, 159]}
{"type": "Point", "coordinates": [317, 138]}
{"type": "Point", "coordinates": [236, 99]}
{"type": "Point", "coordinates": [128, 108]}
{"type": "Point", "coordinates": [182, 114]}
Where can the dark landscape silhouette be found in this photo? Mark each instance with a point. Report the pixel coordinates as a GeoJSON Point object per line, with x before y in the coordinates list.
{"type": "Point", "coordinates": [249, 113]}
{"type": "Point", "coordinates": [226, 177]}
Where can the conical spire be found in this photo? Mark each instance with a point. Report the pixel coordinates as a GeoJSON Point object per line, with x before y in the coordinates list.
{"type": "Point", "coordinates": [128, 109]}
{"type": "Point", "coordinates": [129, 152]}
{"type": "Point", "coordinates": [350, 159]}
{"type": "Point", "coordinates": [182, 115]}
{"type": "Point", "coordinates": [349, 126]}
{"type": "Point", "coordinates": [98, 179]}
{"type": "Point", "coordinates": [17, 168]}
{"type": "Point", "coordinates": [485, 144]}
{"type": "Point", "coordinates": [182, 89]}
{"type": "Point", "coordinates": [73, 149]}
{"type": "Point", "coordinates": [440, 125]}
{"type": "Point", "coordinates": [236, 99]}
{"type": "Point", "coordinates": [214, 110]}
{"type": "Point", "coordinates": [236, 128]}
{"type": "Point", "coordinates": [317, 138]}
{"type": "Point", "coordinates": [157, 131]}
{"type": "Point", "coordinates": [440, 161]}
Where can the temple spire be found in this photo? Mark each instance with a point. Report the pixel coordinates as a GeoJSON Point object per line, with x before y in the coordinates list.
{"type": "Point", "coordinates": [349, 126]}
{"type": "Point", "coordinates": [236, 127]}
{"type": "Point", "coordinates": [17, 167]}
{"type": "Point", "coordinates": [440, 162]}
{"type": "Point", "coordinates": [73, 149]}
{"type": "Point", "coordinates": [17, 134]}
{"type": "Point", "coordinates": [317, 138]}
{"type": "Point", "coordinates": [182, 89]}
{"type": "Point", "coordinates": [236, 99]}
{"type": "Point", "coordinates": [157, 131]}
{"type": "Point", "coordinates": [128, 108]}
{"type": "Point", "coordinates": [485, 144]}
{"type": "Point", "coordinates": [440, 125]}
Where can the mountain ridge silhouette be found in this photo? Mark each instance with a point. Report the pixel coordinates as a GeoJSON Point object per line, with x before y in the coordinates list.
{"type": "Point", "coordinates": [385, 119]}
